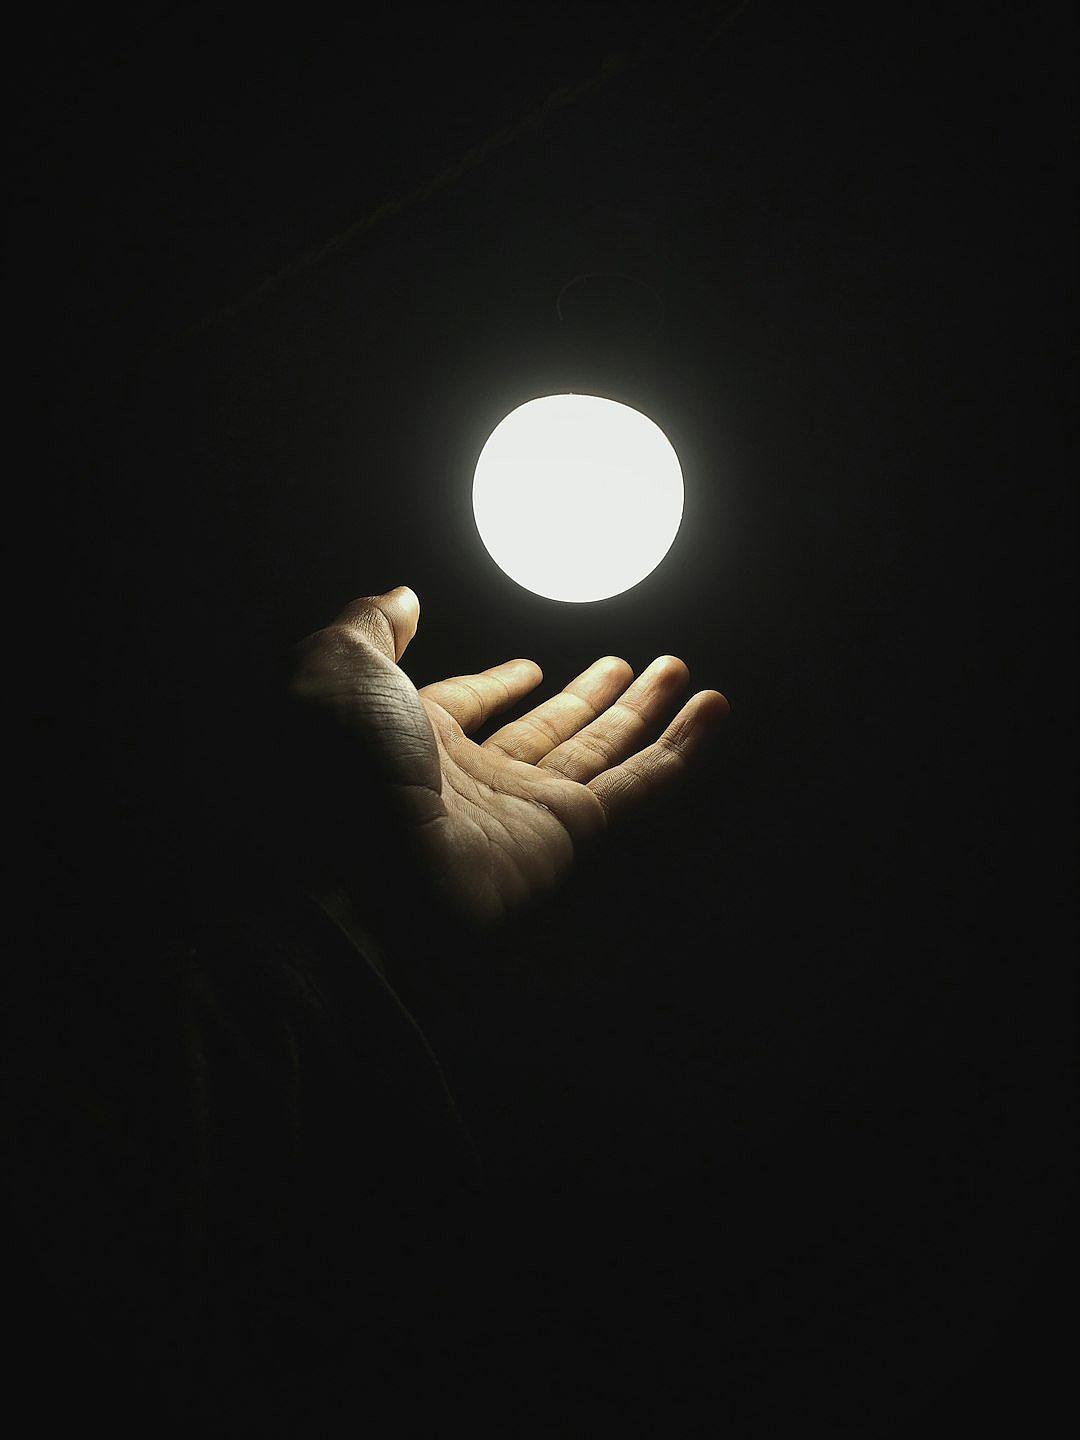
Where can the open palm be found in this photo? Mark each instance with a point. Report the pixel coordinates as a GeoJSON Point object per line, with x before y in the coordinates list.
{"type": "Point", "coordinates": [499, 822]}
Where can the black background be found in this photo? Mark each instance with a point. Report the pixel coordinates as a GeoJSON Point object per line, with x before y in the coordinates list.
{"type": "Point", "coordinates": [810, 1028]}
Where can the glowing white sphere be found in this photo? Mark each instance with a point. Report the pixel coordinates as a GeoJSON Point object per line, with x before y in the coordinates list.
{"type": "Point", "coordinates": [577, 497]}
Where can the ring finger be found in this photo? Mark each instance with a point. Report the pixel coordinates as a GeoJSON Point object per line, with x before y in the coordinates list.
{"type": "Point", "coordinates": [625, 726]}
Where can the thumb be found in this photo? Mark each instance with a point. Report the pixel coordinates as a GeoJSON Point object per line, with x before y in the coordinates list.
{"type": "Point", "coordinates": [386, 621]}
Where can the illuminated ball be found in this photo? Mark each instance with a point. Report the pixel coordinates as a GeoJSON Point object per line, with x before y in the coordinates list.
{"type": "Point", "coordinates": [577, 497]}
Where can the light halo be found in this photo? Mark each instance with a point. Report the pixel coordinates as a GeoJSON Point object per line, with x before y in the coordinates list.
{"type": "Point", "coordinates": [577, 497]}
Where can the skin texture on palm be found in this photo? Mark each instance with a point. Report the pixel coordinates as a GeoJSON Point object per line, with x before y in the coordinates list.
{"type": "Point", "coordinates": [498, 824]}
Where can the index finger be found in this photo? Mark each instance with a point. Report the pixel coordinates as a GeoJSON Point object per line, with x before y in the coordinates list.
{"type": "Point", "coordinates": [472, 699]}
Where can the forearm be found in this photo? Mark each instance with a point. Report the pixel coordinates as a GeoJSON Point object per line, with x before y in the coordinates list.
{"type": "Point", "coordinates": [263, 1149]}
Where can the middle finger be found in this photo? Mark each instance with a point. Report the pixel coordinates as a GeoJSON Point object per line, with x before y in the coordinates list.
{"type": "Point", "coordinates": [625, 726]}
{"type": "Point", "coordinates": [535, 734]}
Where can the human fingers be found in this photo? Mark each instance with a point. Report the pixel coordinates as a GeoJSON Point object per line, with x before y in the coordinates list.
{"type": "Point", "coordinates": [534, 735]}
{"type": "Point", "coordinates": [386, 621]}
{"type": "Point", "coordinates": [651, 771]}
{"type": "Point", "coordinates": [473, 699]}
{"type": "Point", "coordinates": [627, 724]}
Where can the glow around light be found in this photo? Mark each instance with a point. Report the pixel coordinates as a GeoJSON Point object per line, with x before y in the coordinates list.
{"type": "Point", "coordinates": [577, 497]}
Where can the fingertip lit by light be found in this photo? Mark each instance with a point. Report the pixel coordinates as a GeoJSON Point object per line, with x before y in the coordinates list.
{"type": "Point", "coordinates": [577, 497]}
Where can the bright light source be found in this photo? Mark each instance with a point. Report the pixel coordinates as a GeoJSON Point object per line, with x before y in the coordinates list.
{"type": "Point", "coordinates": [577, 497]}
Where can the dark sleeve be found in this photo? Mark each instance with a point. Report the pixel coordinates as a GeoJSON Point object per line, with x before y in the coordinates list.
{"type": "Point", "coordinates": [257, 1161]}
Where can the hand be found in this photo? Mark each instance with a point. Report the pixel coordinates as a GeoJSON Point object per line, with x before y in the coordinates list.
{"type": "Point", "coordinates": [499, 823]}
